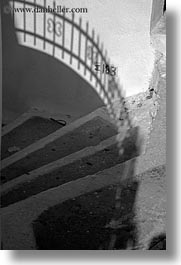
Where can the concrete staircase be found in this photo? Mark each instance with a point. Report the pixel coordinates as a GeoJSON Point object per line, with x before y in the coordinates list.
{"type": "Point", "coordinates": [54, 155]}
{"type": "Point", "coordinates": [41, 156]}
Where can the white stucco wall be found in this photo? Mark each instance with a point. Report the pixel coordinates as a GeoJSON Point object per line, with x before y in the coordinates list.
{"type": "Point", "coordinates": [33, 80]}
{"type": "Point", "coordinates": [124, 28]}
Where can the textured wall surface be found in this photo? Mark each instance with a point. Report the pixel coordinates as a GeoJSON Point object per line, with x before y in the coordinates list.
{"type": "Point", "coordinates": [31, 80]}
{"type": "Point", "coordinates": [124, 27]}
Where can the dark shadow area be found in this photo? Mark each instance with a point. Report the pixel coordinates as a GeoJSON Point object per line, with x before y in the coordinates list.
{"type": "Point", "coordinates": [34, 79]}
{"type": "Point", "coordinates": [158, 243]}
{"type": "Point", "coordinates": [82, 223]}
{"type": "Point", "coordinates": [165, 6]}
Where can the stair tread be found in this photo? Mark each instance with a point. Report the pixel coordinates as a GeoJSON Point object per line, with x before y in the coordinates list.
{"type": "Point", "coordinates": [90, 133]}
{"type": "Point", "coordinates": [80, 168]}
{"type": "Point", "coordinates": [27, 133]}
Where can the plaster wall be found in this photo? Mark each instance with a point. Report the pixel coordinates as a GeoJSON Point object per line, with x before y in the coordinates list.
{"type": "Point", "coordinates": [124, 27]}
{"type": "Point", "coordinates": [33, 79]}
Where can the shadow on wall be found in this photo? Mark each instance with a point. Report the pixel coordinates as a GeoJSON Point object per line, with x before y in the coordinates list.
{"type": "Point", "coordinates": [34, 79]}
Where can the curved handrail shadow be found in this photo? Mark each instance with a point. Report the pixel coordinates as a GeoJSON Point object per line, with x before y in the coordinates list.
{"type": "Point", "coordinates": [106, 86]}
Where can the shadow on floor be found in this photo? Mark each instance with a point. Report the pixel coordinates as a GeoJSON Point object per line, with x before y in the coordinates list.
{"type": "Point", "coordinates": [82, 223]}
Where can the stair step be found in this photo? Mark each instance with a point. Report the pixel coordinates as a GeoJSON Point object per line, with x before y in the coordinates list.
{"type": "Point", "coordinates": [90, 133]}
{"type": "Point", "coordinates": [26, 133]}
{"type": "Point", "coordinates": [105, 155]}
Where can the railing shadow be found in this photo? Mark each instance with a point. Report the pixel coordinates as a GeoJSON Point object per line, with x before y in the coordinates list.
{"type": "Point", "coordinates": [35, 79]}
{"type": "Point", "coordinates": [68, 87]}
